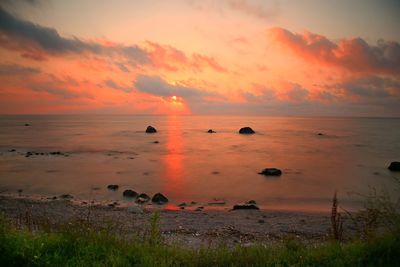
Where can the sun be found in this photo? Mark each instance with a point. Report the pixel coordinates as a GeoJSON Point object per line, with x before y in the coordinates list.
{"type": "Point", "coordinates": [174, 98]}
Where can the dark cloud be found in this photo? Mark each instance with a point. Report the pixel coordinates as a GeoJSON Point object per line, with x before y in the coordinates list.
{"type": "Point", "coordinates": [352, 54]}
{"type": "Point", "coordinates": [33, 40]}
{"type": "Point", "coordinates": [14, 69]}
{"type": "Point", "coordinates": [110, 83]}
{"type": "Point", "coordinates": [156, 86]}
{"type": "Point", "coordinates": [370, 87]}
{"type": "Point", "coordinates": [58, 91]}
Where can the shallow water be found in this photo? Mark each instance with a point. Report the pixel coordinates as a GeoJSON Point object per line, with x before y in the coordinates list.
{"type": "Point", "coordinates": [189, 164]}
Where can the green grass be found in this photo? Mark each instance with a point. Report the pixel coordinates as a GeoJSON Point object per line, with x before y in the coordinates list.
{"type": "Point", "coordinates": [80, 245]}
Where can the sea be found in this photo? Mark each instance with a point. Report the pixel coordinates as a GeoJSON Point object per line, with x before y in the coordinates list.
{"type": "Point", "coordinates": [50, 155]}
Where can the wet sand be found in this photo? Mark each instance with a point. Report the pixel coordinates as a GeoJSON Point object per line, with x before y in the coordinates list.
{"type": "Point", "coordinates": [188, 227]}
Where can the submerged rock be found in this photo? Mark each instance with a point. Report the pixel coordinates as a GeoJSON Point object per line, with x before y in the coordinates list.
{"type": "Point", "coordinates": [271, 172]}
{"type": "Point", "coordinates": [159, 199]}
{"type": "Point", "coordinates": [320, 134]}
{"type": "Point", "coordinates": [129, 193]}
{"type": "Point", "coordinates": [143, 198]}
{"type": "Point", "coordinates": [211, 131]}
{"type": "Point", "coordinates": [246, 130]}
{"type": "Point", "coordinates": [27, 124]}
{"type": "Point", "coordinates": [112, 187]}
{"type": "Point", "coordinates": [156, 142]}
{"type": "Point", "coordinates": [245, 207]}
{"type": "Point", "coordinates": [151, 129]}
{"type": "Point", "coordinates": [394, 166]}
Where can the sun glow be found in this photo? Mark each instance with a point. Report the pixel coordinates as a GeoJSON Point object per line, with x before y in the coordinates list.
{"type": "Point", "coordinates": [174, 98]}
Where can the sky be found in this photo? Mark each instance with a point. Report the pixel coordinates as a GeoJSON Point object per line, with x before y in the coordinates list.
{"type": "Point", "coordinates": [226, 57]}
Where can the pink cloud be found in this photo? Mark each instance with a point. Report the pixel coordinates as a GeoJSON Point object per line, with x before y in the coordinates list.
{"type": "Point", "coordinates": [353, 54]}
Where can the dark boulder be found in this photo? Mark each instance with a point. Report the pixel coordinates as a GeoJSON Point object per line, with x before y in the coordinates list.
{"type": "Point", "coordinates": [271, 172]}
{"type": "Point", "coordinates": [394, 166]}
{"type": "Point", "coordinates": [246, 130]}
{"type": "Point", "coordinates": [112, 187]}
{"type": "Point", "coordinates": [129, 193]}
{"type": "Point", "coordinates": [151, 129]}
{"type": "Point", "coordinates": [245, 207]}
{"type": "Point", "coordinates": [211, 131]}
{"type": "Point", "coordinates": [159, 199]}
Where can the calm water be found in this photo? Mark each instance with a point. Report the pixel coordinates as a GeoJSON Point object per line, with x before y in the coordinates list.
{"type": "Point", "coordinates": [189, 164]}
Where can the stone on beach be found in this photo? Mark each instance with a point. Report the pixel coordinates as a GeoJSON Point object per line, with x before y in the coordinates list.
{"type": "Point", "coordinates": [246, 130]}
{"type": "Point", "coordinates": [159, 199]}
{"type": "Point", "coordinates": [245, 207]}
{"type": "Point", "coordinates": [112, 187]}
{"type": "Point", "coordinates": [271, 172]}
{"type": "Point", "coordinates": [211, 131]}
{"type": "Point", "coordinates": [151, 129]}
{"type": "Point", "coordinates": [394, 166]}
{"type": "Point", "coordinates": [129, 193]}
{"type": "Point", "coordinates": [143, 198]}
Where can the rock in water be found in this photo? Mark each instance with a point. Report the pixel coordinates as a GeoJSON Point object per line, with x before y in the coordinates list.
{"type": "Point", "coordinates": [112, 187]}
{"type": "Point", "coordinates": [246, 130]}
{"type": "Point", "coordinates": [151, 129]}
{"type": "Point", "coordinates": [129, 193]}
{"type": "Point", "coordinates": [159, 199]}
{"type": "Point", "coordinates": [211, 131]}
{"type": "Point", "coordinates": [271, 172]}
{"type": "Point", "coordinates": [394, 166]}
{"type": "Point", "coordinates": [245, 207]}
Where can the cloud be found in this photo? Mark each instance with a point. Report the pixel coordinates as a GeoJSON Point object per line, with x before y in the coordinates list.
{"type": "Point", "coordinates": [110, 83]}
{"type": "Point", "coordinates": [156, 86]}
{"type": "Point", "coordinates": [264, 11]}
{"type": "Point", "coordinates": [59, 91]}
{"type": "Point", "coordinates": [370, 87]}
{"type": "Point", "coordinates": [172, 59]}
{"type": "Point", "coordinates": [354, 54]}
{"type": "Point", "coordinates": [251, 9]}
{"type": "Point", "coordinates": [15, 69]}
{"type": "Point", "coordinates": [36, 42]}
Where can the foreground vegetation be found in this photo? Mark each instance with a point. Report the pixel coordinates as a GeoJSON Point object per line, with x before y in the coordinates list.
{"type": "Point", "coordinates": [81, 245]}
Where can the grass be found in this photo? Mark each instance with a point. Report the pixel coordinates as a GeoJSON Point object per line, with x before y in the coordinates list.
{"type": "Point", "coordinates": [83, 245]}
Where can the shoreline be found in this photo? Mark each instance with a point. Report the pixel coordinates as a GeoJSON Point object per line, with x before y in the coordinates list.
{"type": "Point", "coordinates": [193, 228]}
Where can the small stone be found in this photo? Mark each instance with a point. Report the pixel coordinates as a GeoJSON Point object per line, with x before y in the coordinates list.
{"type": "Point", "coordinates": [27, 124]}
{"type": "Point", "coordinates": [151, 129]}
{"type": "Point", "coordinates": [245, 207]}
{"type": "Point", "coordinates": [143, 198]}
{"type": "Point", "coordinates": [182, 204]}
{"type": "Point", "coordinates": [129, 193]}
{"type": "Point", "coordinates": [66, 196]}
{"type": "Point", "coordinates": [211, 131]}
{"type": "Point", "coordinates": [156, 142]}
{"type": "Point", "coordinates": [271, 172]}
{"type": "Point", "coordinates": [261, 221]}
{"type": "Point", "coordinates": [112, 187]}
{"type": "Point", "coordinates": [320, 134]}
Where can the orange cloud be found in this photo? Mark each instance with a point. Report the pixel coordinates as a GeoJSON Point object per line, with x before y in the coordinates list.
{"type": "Point", "coordinates": [353, 54]}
